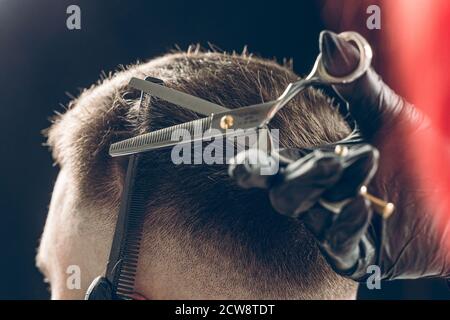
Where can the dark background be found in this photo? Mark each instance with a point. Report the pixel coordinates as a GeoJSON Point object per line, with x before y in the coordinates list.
{"type": "Point", "coordinates": [41, 60]}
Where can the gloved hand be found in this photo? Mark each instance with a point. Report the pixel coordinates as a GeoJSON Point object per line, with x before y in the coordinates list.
{"type": "Point", "coordinates": [376, 108]}
{"type": "Point", "coordinates": [321, 188]}
{"type": "Point", "coordinates": [412, 243]}
{"type": "Point", "coordinates": [415, 239]}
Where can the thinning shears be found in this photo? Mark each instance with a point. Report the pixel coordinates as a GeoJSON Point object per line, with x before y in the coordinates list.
{"type": "Point", "coordinates": [220, 119]}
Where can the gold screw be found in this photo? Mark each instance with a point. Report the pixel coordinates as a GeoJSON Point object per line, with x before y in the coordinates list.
{"type": "Point", "coordinates": [379, 205]}
{"type": "Point", "coordinates": [384, 208]}
{"type": "Point", "coordinates": [226, 122]}
{"type": "Point", "coordinates": [341, 150]}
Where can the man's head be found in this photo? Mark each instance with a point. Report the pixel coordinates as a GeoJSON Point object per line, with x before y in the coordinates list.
{"type": "Point", "coordinates": [204, 237]}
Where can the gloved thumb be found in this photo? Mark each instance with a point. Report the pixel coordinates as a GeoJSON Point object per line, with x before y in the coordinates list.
{"type": "Point", "coordinates": [372, 103]}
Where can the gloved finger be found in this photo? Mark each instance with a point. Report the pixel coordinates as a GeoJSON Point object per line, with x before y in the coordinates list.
{"type": "Point", "coordinates": [349, 225]}
{"type": "Point", "coordinates": [251, 168]}
{"type": "Point", "coordinates": [372, 103]}
{"type": "Point", "coordinates": [339, 235]}
{"type": "Point", "coordinates": [360, 164]}
{"type": "Point", "coordinates": [299, 186]}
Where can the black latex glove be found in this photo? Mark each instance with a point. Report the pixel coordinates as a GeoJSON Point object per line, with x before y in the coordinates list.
{"type": "Point", "coordinates": [322, 189]}
{"type": "Point", "coordinates": [414, 242]}
{"type": "Point", "coordinates": [376, 108]}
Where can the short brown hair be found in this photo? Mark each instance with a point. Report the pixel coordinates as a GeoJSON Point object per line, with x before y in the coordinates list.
{"type": "Point", "coordinates": [246, 232]}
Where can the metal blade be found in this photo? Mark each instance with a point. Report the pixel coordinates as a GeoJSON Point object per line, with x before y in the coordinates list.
{"type": "Point", "coordinates": [182, 99]}
{"type": "Point", "coordinates": [197, 129]}
{"type": "Point", "coordinates": [251, 117]}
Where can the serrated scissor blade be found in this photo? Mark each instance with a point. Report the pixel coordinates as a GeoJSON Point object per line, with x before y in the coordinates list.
{"type": "Point", "coordinates": [166, 137]}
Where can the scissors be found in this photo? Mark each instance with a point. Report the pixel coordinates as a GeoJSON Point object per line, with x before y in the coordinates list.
{"type": "Point", "coordinates": [219, 120]}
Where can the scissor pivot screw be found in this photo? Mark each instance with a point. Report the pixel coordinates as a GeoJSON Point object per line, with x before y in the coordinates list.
{"type": "Point", "coordinates": [341, 150]}
{"type": "Point", "coordinates": [226, 122]}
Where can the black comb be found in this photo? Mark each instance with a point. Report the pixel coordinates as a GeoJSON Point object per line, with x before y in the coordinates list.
{"type": "Point", "coordinates": [122, 264]}
{"type": "Point", "coordinates": [124, 255]}
{"type": "Point", "coordinates": [119, 279]}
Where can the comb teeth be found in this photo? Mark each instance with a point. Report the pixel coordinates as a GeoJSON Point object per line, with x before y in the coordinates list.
{"type": "Point", "coordinates": [158, 139]}
{"type": "Point", "coordinates": [124, 284]}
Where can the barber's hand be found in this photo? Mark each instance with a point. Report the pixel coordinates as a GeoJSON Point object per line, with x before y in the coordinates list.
{"type": "Point", "coordinates": [413, 242]}
{"type": "Point", "coordinates": [376, 108]}
{"type": "Point", "coordinates": [322, 189]}
{"type": "Point", "coordinates": [416, 240]}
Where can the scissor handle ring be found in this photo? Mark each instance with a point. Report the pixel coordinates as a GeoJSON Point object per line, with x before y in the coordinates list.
{"type": "Point", "coordinates": [365, 59]}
